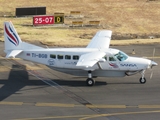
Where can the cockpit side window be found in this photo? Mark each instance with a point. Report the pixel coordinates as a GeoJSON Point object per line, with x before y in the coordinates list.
{"type": "Point", "coordinates": [121, 56]}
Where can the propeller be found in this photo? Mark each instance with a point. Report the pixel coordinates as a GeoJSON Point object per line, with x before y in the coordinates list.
{"type": "Point", "coordinates": [152, 63]}
{"type": "Point", "coordinates": [154, 50]}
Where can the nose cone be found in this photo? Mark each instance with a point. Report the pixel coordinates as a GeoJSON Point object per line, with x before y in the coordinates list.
{"type": "Point", "coordinates": [153, 64]}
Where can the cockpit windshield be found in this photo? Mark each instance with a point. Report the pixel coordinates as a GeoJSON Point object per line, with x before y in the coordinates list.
{"type": "Point", "coordinates": [121, 56]}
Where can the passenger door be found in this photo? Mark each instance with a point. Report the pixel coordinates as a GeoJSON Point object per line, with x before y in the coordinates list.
{"type": "Point", "coordinates": [113, 64]}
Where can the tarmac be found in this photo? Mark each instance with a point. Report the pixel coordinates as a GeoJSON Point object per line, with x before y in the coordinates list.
{"type": "Point", "coordinates": [31, 91]}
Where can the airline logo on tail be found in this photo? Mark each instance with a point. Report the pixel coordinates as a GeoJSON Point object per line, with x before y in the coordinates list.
{"type": "Point", "coordinates": [12, 37]}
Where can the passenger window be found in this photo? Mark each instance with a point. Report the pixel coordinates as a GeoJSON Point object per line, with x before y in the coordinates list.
{"type": "Point", "coordinates": [75, 57]}
{"type": "Point", "coordinates": [60, 56]}
{"type": "Point", "coordinates": [67, 57]}
{"type": "Point", "coordinates": [53, 56]}
{"type": "Point", "coordinates": [111, 59]}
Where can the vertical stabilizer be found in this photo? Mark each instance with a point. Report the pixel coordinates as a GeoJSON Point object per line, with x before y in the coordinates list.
{"type": "Point", "coordinates": [11, 37]}
{"type": "Point", "coordinates": [12, 40]}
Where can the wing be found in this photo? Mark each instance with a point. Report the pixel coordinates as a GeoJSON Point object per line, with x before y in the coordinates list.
{"type": "Point", "coordinates": [101, 40]}
{"type": "Point", "coordinates": [90, 59]}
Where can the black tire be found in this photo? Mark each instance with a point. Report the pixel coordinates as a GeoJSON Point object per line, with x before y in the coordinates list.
{"type": "Point", "coordinates": [142, 80]}
{"type": "Point", "coordinates": [90, 82]}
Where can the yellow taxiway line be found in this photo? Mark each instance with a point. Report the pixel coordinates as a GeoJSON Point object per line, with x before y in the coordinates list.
{"type": "Point", "coordinates": [55, 117]}
{"type": "Point", "coordinates": [54, 105]}
{"type": "Point", "coordinates": [91, 116]}
{"type": "Point", "coordinates": [149, 106]}
{"type": "Point", "coordinates": [118, 114]}
{"type": "Point", "coordinates": [11, 103]}
{"type": "Point", "coordinates": [106, 106]}
{"type": "Point", "coordinates": [101, 106]}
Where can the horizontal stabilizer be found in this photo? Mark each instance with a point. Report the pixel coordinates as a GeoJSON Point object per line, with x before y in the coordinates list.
{"type": "Point", "coordinates": [90, 59]}
{"type": "Point", "coordinates": [13, 53]}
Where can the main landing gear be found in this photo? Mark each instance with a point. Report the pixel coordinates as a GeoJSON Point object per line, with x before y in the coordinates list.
{"type": "Point", "coordinates": [90, 81]}
{"type": "Point", "coordinates": [142, 80]}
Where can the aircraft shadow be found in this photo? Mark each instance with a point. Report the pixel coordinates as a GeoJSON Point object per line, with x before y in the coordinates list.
{"type": "Point", "coordinates": [123, 83]}
{"type": "Point", "coordinates": [18, 78]}
{"type": "Point", "coordinates": [82, 83]}
{"type": "Point", "coordinates": [77, 83]}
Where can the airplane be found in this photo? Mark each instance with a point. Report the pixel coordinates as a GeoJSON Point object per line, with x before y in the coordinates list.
{"type": "Point", "coordinates": [95, 60]}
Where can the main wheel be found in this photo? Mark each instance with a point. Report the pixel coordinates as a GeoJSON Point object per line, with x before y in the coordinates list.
{"type": "Point", "coordinates": [90, 82]}
{"type": "Point", "coordinates": [142, 80]}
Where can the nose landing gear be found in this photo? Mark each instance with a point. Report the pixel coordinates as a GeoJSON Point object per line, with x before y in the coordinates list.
{"type": "Point", "coordinates": [142, 80]}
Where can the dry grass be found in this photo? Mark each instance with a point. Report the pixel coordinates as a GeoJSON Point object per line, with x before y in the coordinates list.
{"type": "Point", "coordinates": [137, 41]}
{"type": "Point", "coordinates": [120, 16]}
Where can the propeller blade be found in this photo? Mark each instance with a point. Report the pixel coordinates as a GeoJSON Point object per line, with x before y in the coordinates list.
{"type": "Point", "coordinates": [154, 50]}
{"type": "Point", "coordinates": [153, 63]}
{"type": "Point", "coordinates": [151, 75]}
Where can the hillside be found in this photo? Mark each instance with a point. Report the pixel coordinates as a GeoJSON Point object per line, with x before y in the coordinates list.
{"type": "Point", "coordinates": [127, 19]}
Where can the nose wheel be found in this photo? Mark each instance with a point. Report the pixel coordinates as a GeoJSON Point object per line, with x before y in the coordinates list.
{"type": "Point", "coordinates": [142, 80]}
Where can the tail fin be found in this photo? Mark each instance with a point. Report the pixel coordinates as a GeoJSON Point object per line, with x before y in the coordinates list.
{"type": "Point", "coordinates": [11, 37]}
{"type": "Point", "coordinates": [13, 43]}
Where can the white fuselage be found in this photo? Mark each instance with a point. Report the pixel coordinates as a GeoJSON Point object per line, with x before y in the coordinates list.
{"type": "Point", "coordinates": [65, 60]}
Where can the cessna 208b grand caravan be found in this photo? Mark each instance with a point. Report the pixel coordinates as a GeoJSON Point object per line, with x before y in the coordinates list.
{"type": "Point", "coordinates": [97, 59]}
